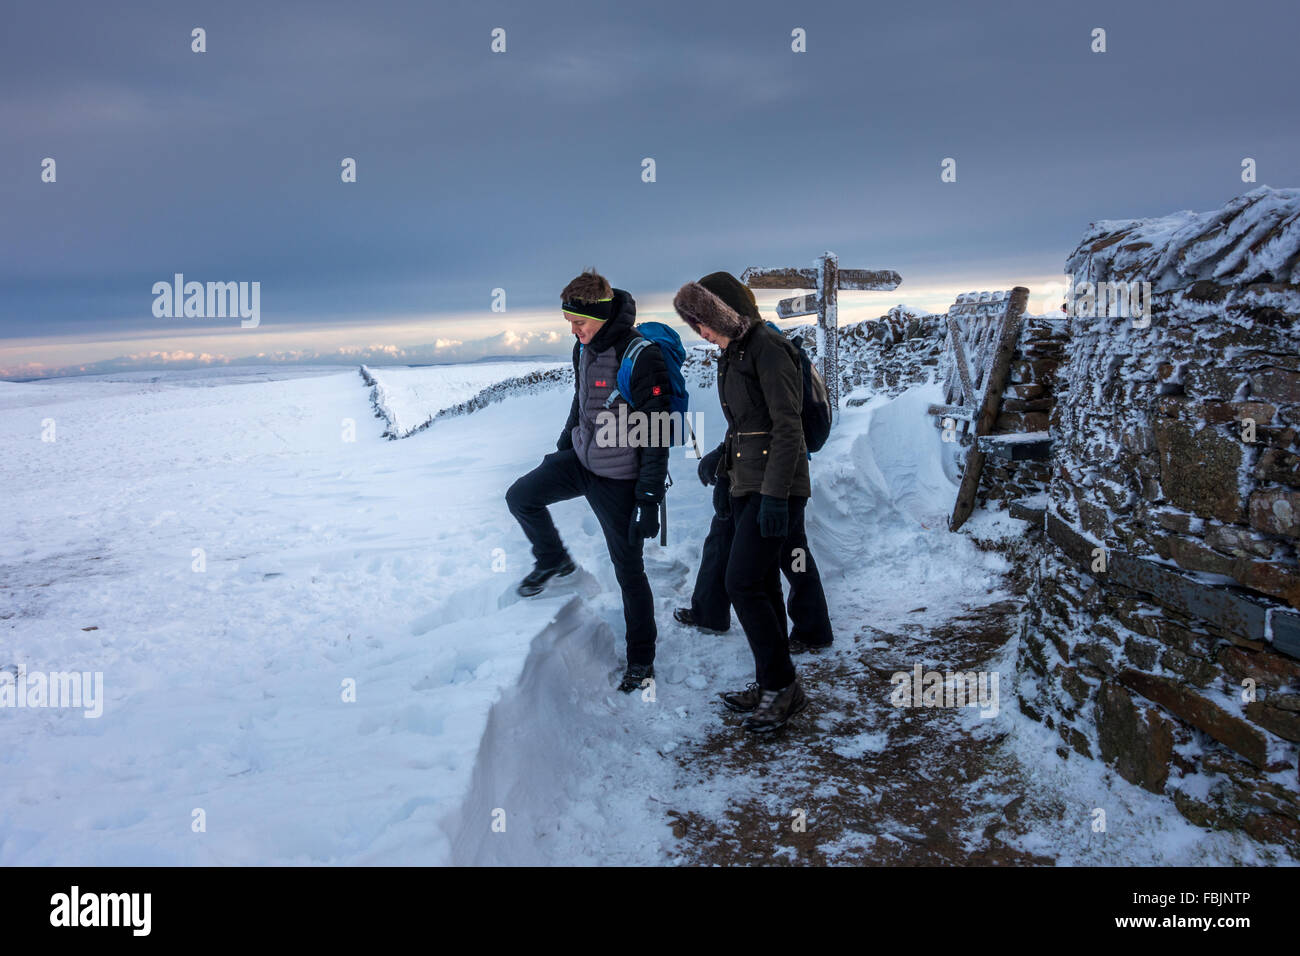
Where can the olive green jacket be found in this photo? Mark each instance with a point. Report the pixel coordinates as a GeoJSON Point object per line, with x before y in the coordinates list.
{"type": "Point", "coordinates": [760, 383]}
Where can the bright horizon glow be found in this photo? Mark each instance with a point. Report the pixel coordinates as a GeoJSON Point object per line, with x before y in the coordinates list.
{"type": "Point", "coordinates": [200, 342]}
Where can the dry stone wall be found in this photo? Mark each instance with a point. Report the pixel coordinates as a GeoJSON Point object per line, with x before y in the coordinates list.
{"type": "Point", "coordinates": [1160, 633]}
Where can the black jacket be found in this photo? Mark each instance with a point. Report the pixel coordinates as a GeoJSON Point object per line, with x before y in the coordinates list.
{"type": "Point", "coordinates": [650, 373]}
{"type": "Point", "coordinates": [760, 383]}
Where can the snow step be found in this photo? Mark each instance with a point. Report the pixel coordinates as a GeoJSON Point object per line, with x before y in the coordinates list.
{"type": "Point", "coordinates": [1017, 446]}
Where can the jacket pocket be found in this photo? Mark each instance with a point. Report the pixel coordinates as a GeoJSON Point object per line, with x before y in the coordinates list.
{"type": "Point", "coordinates": [749, 453]}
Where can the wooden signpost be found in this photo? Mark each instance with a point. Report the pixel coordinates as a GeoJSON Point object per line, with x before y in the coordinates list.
{"type": "Point", "coordinates": [827, 278]}
{"type": "Point", "coordinates": [983, 328]}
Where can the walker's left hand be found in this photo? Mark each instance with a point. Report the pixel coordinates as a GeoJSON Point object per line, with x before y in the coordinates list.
{"type": "Point", "coordinates": [645, 521]}
{"type": "Point", "coordinates": [708, 468]}
{"type": "Point", "coordinates": [773, 517]}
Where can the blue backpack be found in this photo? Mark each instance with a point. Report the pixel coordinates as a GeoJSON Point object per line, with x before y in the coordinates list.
{"type": "Point", "coordinates": [674, 353]}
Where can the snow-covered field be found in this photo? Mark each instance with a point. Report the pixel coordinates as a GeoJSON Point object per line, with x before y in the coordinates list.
{"type": "Point", "coordinates": [239, 571]}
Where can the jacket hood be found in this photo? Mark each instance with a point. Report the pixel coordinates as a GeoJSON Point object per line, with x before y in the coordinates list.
{"type": "Point", "coordinates": [699, 307]}
{"type": "Point", "coordinates": [624, 317]}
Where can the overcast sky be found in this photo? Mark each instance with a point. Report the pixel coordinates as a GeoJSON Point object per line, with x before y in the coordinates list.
{"type": "Point", "coordinates": [515, 170]}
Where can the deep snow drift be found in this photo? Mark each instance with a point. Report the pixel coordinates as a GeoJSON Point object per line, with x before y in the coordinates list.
{"type": "Point", "coordinates": [242, 560]}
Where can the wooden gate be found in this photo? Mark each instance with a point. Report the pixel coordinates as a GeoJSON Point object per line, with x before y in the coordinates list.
{"type": "Point", "coordinates": [983, 328]}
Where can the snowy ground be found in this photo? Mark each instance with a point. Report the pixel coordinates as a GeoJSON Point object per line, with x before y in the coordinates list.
{"type": "Point", "coordinates": [391, 564]}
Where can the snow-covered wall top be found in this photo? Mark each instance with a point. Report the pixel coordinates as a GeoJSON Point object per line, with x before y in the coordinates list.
{"type": "Point", "coordinates": [1254, 238]}
{"type": "Point", "coordinates": [884, 355]}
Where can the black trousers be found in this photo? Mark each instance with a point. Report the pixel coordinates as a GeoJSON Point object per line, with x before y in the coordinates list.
{"type": "Point", "coordinates": [807, 604]}
{"type": "Point", "coordinates": [753, 583]}
{"type": "Point", "coordinates": [561, 477]}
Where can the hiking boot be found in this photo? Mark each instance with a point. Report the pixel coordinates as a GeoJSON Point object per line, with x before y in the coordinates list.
{"type": "Point", "coordinates": [537, 578]}
{"type": "Point", "coordinates": [800, 647]}
{"type": "Point", "coordinates": [635, 676]}
{"type": "Point", "coordinates": [743, 701]}
{"type": "Point", "coordinates": [775, 707]}
{"type": "Point", "coordinates": [684, 615]}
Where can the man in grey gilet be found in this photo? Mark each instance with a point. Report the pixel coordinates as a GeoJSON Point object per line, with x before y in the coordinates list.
{"type": "Point", "coordinates": [623, 483]}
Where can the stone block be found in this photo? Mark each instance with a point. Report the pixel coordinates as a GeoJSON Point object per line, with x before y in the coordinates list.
{"type": "Point", "coordinates": [1276, 510]}
{"type": "Point", "coordinates": [1221, 413]}
{"type": "Point", "coordinates": [1284, 723]}
{"type": "Point", "coordinates": [1190, 554]}
{"type": "Point", "coordinates": [1141, 654]}
{"type": "Point", "coordinates": [1277, 385]}
{"type": "Point", "coordinates": [1138, 741]}
{"type": "Point", "coordinates": [1193, 670]}
{"type": "Point", "coordinates": [1238, 541]}
{"type": "Point", "coordinates": [1202, 713]}
{"type": "Point", "coordinates": [1278, 466]}
{"type": "Point", "coordinates": [1202, 381]}
{"type": "Point", "coordinates": [1270, 577]}
{"type": "Point", "coordinates": [1199, 469]}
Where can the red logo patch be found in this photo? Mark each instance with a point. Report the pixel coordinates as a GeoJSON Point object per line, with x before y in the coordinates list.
{"type": "Point", "coordinates": [655, 390]}
{"type": "Point", "coordinates": [600, 383]}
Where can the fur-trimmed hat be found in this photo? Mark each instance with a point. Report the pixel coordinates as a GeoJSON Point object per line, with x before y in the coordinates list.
{"type": "Point", "coordinates": [698, 306]}
{"type": "Point", "coordinates": [733, 292]}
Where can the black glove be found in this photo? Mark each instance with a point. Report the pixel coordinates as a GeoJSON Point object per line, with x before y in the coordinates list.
{"type": "Point", "coordinates": [722, 499]}
{"type": "Point", "coordinates": [773, 517]}
{"type": "Point", "coordinates": [709, 466]}
{"type": "Point", "coordinates": [645, 520]}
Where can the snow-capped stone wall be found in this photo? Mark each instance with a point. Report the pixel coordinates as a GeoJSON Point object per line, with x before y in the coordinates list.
{"type": "Point", "coordinates": [887, 355]}
{"type": "Point", "coordinates": [1160, 634]}
{"type": "Point", "coordinates": [411, 398]}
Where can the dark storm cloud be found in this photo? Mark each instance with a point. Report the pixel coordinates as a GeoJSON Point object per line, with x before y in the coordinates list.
{"type": "Point", "coordinates": [478, 171]}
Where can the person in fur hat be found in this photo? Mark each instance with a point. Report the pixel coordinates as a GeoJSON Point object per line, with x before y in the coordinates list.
{"type": "Point", "coordinates": [710, 608]}
{"type": "Point", "coordinates": [765, 461]}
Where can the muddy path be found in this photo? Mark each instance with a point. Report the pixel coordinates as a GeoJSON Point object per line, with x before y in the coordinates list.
{"type": "Point", "coordinates": [856, 780]}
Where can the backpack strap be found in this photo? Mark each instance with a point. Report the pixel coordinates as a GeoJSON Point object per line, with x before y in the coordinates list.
{"type": "Point", "coordinates": [795, 353]}
{"type": "Point", "coordinates": [753, 388]}
{"type": "Point", "coordinates": [625, 369]}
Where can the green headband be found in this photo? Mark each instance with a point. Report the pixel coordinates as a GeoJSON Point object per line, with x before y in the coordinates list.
{"type": "Point", "coordinates": [572, 308]}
